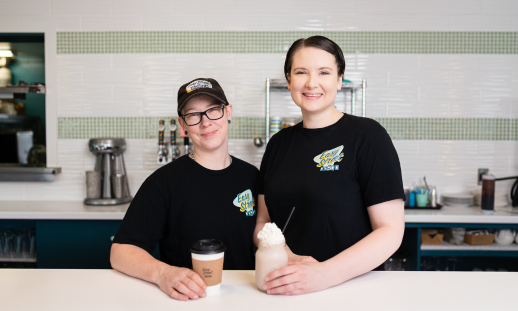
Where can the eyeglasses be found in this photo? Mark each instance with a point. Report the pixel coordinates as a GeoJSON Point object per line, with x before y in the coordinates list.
{"type": "Point", "coordinates": [213, 113]}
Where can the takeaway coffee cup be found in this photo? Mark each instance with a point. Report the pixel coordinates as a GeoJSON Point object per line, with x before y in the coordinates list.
{"type": "Point", "coordinates": [207, 261]}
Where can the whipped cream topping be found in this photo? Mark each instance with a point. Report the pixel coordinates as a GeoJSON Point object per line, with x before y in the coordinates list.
{"type": "Point", "coordinates": [270, 234]}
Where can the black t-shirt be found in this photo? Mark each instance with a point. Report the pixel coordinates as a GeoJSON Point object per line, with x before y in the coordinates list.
{"type": "Point", "coordinates": [183, 202]}
{"type": "Point", "coordinates": [331, 175]}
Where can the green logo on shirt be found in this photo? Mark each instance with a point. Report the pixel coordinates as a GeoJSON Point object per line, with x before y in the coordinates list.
{"type": "Point", "coordinates": [326, 160]}
{"type": "Point", "coordinates": [246, 202]}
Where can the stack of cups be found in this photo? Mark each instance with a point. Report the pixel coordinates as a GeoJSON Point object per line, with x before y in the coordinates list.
{"type": "Point", "coordinates": [207, 261]}
{"type": "Point", "coordinates": [275, 125]}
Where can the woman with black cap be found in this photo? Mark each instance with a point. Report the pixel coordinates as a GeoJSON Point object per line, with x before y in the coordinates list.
{"type": "Point", "coordinates": [207, 194]}
{"type": "Point", "coordinates": [342, 174]}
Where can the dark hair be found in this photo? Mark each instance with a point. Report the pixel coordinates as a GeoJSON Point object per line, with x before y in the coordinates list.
{"type": "Point", "coordinates": [319, 42]}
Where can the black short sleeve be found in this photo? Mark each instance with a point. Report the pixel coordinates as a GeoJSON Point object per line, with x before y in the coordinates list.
{"type": "Point", "coordinates": [144, 222]}
{"type": "Point", "coordinates": [378, 169]}
{"type": "Point", "coordinates": [264, 167]}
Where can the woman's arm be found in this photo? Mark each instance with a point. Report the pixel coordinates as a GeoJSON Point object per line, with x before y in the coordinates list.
{"type": "Point", "coordinates": [388, 224]}
{"type": "Point", "coordinates": [178, 283]}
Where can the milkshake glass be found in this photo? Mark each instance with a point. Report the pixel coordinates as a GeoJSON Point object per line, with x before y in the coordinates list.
{"type": "Point", "coordinates": [271, 254]}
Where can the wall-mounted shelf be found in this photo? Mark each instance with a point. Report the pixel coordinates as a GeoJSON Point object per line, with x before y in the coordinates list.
{"type": "Point", "coordinates": [5, 259]}
{"type": "Point", "coordinates": [27, 173]}
{"type": "Point", "coordinates": [19, 91]}
{"type": "Point", "coordinates": [467, 247]}
{"type": "Point", "coordinates": [23, 89]}
{"type": "Point", "coordinates": [281, 84]}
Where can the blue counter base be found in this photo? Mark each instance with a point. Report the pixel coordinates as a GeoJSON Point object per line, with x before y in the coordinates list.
{"type": "Point", "coordinates": [71, 244]}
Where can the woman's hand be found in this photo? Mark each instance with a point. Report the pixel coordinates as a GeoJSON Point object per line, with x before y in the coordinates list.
{"type": "Point", "coordinates": [293, 258]}
{"type": "Point", "coordinates": [296, 258]}
{"type": "Point", "coordinates": [181, 283]}
{"type": "Point", "coordinates": [298, 278]}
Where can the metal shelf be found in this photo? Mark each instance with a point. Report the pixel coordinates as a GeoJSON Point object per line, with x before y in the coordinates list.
{"type": "Point", "coordinates": [468, 247]}
{"type": "Point", "coordinates": [18, 92]}
{"type": "Point", "coordinates": [5, 118]}
{"type": "Point", "coordinates": [282, 85]}
{"type": "Point", "coordinates": [447, 249]}
{"type": "Point", "coordinates": [5, 259]}
{"type": "Point", "coordinates": [16, 89]}
{"type": "Point", "coordinates": [19, 172]}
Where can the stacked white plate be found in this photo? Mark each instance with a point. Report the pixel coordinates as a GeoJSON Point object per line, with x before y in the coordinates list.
{"type": "Point", "coordinates": [500, 198]}
{"type": "Point", "coordinates": [458, 199]}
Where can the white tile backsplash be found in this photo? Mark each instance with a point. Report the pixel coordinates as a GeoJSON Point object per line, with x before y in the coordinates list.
{"type": "Point", "coordinates": [154, 7]}
{"type": "Point", "coordinates": [67, 22]}
{"type": "Point", "coordinates": [503, 7]}
{"type": "Point", "coordinates": [399, 85]}
{"type": "Point", "coordinates": [173, 21]}
{"type": "Point", "coordinates": [450, 165]}
{"type": "Point", "coordinates": [481, 23]}
{"type": "Point", "coordinates": [111, 22]}
{"type": "Point", "coordinates": [446, 7]}
{"type": "Point", "coordinates": [80, 7]}
{"type": "Point", "coordinates": [26, 7]}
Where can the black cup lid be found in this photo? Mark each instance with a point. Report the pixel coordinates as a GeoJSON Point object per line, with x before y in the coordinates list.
{"type": "Point", "coordinates": [208, 246]}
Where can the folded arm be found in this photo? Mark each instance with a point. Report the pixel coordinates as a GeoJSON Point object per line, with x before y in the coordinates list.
{"type": "Point", "coordinates": [388, 224]}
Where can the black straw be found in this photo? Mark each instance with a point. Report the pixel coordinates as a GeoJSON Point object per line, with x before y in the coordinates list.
{"type": "Point", "coordinates": [287, 221]}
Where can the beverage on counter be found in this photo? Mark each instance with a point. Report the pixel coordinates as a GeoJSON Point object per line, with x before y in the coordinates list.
{"type": "Point", "coordinates": [207, 260]}
{"type": "Point", "coordinates": [487, 201]}
{"type": "Point", "coordinates": [271, 254]}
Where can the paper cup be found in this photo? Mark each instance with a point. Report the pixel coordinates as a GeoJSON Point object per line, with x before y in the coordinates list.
{"type": "Point", "coordinates": [207, 261]}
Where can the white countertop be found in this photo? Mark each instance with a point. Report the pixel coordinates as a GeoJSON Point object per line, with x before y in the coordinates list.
{"type": "Point", "coordinates": [76, 210]}
{"type": "Point", "coordinates": [32, 289]}
{"type": "Point", "coordinates": [447, 214]}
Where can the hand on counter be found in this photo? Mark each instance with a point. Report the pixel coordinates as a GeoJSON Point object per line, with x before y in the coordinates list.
{"type": "Point", "coordinates": [181, 283]}
{"type": "Point", "coordinates": [298, 278]}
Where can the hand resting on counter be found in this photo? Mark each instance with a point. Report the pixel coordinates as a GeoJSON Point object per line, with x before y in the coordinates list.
{"type": "Point", "coordinates": [178, 283]}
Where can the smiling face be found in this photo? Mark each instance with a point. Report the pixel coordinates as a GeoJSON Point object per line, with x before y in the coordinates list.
{"type": "Point", "coordinates": [208, 135]}
{"type": "Point", "coordinates": [314, 80]}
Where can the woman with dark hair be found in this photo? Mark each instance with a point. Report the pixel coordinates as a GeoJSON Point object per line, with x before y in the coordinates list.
{"type": "Point", "coordinates": [342, 174]}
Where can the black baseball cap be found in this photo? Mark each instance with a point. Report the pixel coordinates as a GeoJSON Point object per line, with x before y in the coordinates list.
{"type": "Point", "coordinates": [200, 86]}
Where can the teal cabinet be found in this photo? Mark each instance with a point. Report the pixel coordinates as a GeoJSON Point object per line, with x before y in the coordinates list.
{"type": "Point", "coordinates": [75, 244]}
{"type": "Point", "coordinates": [466, 257]}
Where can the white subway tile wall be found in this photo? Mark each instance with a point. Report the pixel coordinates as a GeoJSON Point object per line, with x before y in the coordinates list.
{"type": "Point", "coordinates": [399, 85]}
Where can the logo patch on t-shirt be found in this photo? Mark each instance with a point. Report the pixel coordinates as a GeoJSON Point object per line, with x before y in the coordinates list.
{"type": "Point", "coordinates": [326, 160]}
{"type": "Point", "coordinates": [246, 202]}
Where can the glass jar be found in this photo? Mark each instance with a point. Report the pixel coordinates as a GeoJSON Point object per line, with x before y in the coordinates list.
{"type": "Point", "coordinates": [268, 258]}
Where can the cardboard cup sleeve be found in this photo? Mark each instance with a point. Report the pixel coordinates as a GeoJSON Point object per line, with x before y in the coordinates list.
{"type": "Point", "coordinates": [209, 267]}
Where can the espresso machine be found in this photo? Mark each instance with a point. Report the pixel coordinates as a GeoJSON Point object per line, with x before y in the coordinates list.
{"type": "Point", "coordinates": [108, 183]}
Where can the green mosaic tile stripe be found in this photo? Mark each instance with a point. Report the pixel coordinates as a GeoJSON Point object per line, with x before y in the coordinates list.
{"type": "Point", "coordinates": [450, 128]}
{"type": "Point", "coordinates": [247, 128]}
{"type": "Point", "coordinates": [371, 42]}
{"type": "Point", "coordinates": [142, 127]}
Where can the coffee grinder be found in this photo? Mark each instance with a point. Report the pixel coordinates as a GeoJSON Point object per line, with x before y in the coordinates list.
{"type": "Point", "coordinates": [109, 173]}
